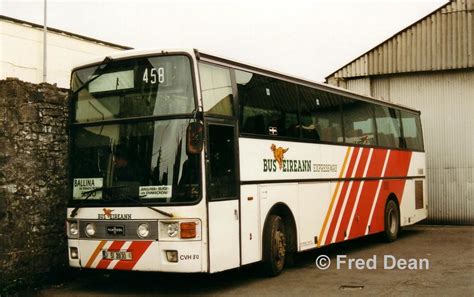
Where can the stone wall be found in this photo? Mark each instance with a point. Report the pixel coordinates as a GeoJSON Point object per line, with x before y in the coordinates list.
{"type": "Point", "coordinates": [33, 181]}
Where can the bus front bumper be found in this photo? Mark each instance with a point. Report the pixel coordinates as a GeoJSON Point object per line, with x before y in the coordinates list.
{"type": "Point", "coordinates": [139, 255]}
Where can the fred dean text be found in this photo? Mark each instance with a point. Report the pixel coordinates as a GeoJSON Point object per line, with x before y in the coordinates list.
{"type": "Point", "coordinates": [389, 263]}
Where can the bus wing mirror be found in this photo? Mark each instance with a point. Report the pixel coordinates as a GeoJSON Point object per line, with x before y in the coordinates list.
{"type": "Point", "coordinates": [194, 138]}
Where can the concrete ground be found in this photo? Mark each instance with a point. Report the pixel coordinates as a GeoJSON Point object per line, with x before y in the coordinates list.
{"type": "Point", "coordinates": [448, 250]}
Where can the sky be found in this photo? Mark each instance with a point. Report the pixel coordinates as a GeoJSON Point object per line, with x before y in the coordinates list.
{"type": "Point", "coordinates": [303, 38]}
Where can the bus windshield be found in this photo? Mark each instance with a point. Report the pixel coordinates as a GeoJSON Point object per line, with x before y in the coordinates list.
{"type": "Point", "coordinates": [135, 156]}
{"type": "Point", "coordinates": [138, 87]}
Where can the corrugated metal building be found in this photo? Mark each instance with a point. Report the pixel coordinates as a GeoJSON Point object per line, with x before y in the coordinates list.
{"type": "Point", "coordinates": [21, 51]}
{"type": "Point", "coordinates": [430, 66]}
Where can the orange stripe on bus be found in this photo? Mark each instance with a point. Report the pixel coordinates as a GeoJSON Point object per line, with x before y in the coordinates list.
{"type": "Point", "coordinates": [333, 197]}
{"type": "Point", "coordinates": [95, 253]}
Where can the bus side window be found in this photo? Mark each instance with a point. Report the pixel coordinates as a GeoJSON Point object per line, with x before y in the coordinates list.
{"type": "Point", "coordinates": [388, 127]}
{"type": "Point", "coordinates": [320, 115]}
{"type": "Point", "coordinates": [412, 130]}
{"type": "Point", "coordinates": [268, 106]}
{"type": "Point", "coordinates": [359, 126]}
{"type": "Point", "coordinates": [216, 89]}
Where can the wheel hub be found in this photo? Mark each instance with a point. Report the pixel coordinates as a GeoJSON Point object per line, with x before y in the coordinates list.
{"type": "Point", "coordinates": [392, 222]}
{"type": "Point", "coordinates": [280, 245]}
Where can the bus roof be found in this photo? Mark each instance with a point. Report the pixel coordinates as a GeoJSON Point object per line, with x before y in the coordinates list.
{"type": "Point", "coordinates": [246, 67]}
{"type": "Point", "coordinates": [132, 53]}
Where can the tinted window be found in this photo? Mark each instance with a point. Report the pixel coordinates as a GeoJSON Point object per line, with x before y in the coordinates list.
{"type": "Point", "coordinates": [320, 115]}
{"type": "Point", "coordinates": [358, 122]}
{"type": "Point", "coordinates": [222, 176]}
{"type": "Point", "coordinates": [216, 89]}
{"type": "Point", "coordinates": [412, 130]}
{"type": "Point", "coordinates": [269, 106]}
{"type": "Point", "coordinates": [388, 126]}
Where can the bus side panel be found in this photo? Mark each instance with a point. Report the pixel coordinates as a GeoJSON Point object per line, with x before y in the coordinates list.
{"type": "Point", "coordinates": [360, 205]}
{"type": "Point", "coordinates": [362, 214]}
{"type": "Point", "coordinates": [398, 165]}
{"type": "Point", "coordinates": [313, 204]}
{"type": "Point", "coordinates": [395, 186]}
{"type": "Point", "coordinates": [410, 212]}
{"type": "Point", "coordinates": [414, 206]}
{"type": "Point", "coordinates": [402, 164]}
{"type": "Point", "coordinates": [250, 224]}
{"type": "Point", "coordinates": [272, 194]}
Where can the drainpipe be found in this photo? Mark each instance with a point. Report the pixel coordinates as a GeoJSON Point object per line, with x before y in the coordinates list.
{"type": "Point", "coordinates": [45, 31]}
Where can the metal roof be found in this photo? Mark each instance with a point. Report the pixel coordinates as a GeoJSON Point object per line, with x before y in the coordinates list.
{"type": "Point", "coordinates": [442, 40]}
{"type": "Point", "coordinates": [62, 32]}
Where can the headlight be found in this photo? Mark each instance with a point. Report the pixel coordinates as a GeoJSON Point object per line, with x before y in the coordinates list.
{"type": "Point", "coordinates": [90, 229]}
{"type": "Point", "coordinates": [73, 229]}
{"type": "Point", "coordinates": [173, 229]}
{"type": "Point", "coordinates": [143, 230]}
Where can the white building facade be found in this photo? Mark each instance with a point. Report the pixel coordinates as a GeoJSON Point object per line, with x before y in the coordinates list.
{"type": "Point", "coordinates": [21, 51]}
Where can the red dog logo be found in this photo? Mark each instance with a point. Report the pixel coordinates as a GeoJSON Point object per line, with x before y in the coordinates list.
{"type": "Point", "coordinates": [278, 153]}
{"type": "Point", "coordinates": [107, 211]}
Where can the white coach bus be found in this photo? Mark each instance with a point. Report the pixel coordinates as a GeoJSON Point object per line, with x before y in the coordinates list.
{"type": "Point", "coordinates": [182, 161]}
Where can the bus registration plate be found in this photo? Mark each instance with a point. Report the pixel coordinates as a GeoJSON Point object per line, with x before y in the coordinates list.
{"type": "Point", "coordinates": [114, 255]}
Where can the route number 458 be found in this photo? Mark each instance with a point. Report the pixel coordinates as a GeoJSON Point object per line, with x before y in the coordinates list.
{"type": "Point", "coordinates": [154, 75]}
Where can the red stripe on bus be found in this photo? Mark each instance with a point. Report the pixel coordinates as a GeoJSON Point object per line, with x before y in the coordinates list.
{"type": "Point", "coordinates": [115, 246]}
{"type": "Point", "coordinates": [398, 165]}
{"type": "Point", "coordinates": [346, 216]}
{"type": "Point", "coordinates": [342, 195]}
{"type": "Point", "coordinates": [367, 195]}
{"type": "Point", "coordinates": [137, 248]}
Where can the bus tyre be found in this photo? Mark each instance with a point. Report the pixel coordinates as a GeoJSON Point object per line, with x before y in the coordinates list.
{"type": "Point", "coordinates": [391, 221]}
{"type": "Point", "coordinates": [274, 246]}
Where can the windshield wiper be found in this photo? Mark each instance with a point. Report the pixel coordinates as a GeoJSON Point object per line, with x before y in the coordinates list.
{"type": "Point", "coordinates": [89, 194]}
{"type": "Point", "coordinates": [135, 199]}
{"type": "Point", "coordinates": [98, 73]}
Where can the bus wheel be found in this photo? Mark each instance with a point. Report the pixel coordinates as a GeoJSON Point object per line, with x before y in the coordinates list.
{"type": "Point", "coordinates": [274, 246]}
{"type": "Point", "coordinates": [391, 221]}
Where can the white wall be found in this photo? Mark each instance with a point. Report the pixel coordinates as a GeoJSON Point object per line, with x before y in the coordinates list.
{"type": "Point", "coordinates": [21, 53]}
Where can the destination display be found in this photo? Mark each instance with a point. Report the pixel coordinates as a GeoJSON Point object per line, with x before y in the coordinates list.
{"type": "Point", "coordinates": [83, 185]}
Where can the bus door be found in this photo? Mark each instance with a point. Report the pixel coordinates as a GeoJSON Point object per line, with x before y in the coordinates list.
{"type": "Point", "coordinates": [222, 192]}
